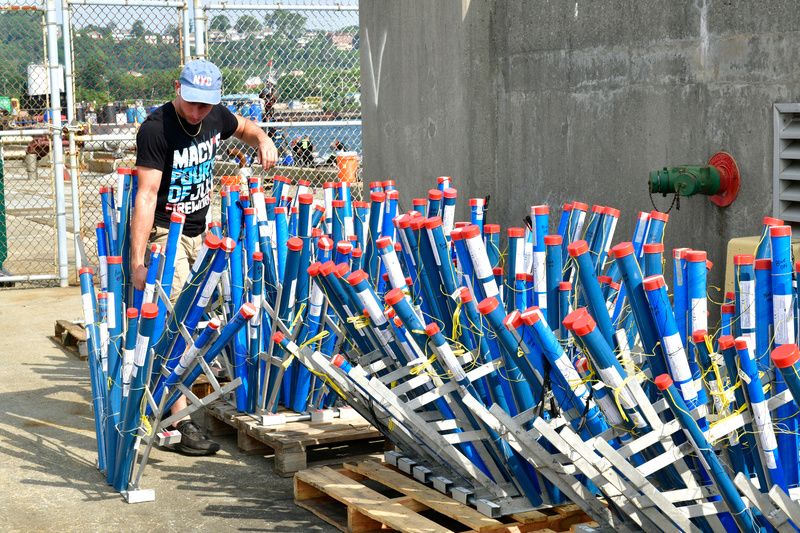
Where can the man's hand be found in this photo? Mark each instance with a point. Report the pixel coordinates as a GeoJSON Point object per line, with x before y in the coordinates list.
{"type": "Point", "coordinates": [267, 153]}
{"type": "Point", "coordinates": [139, 275]}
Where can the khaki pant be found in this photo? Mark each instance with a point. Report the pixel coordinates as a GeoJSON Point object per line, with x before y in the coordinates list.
{"type": "Point", "coordinates": [187, 252]}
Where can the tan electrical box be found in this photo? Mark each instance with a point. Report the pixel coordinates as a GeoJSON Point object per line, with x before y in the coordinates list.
{"type": "Point", "coordinates": [748, 245]}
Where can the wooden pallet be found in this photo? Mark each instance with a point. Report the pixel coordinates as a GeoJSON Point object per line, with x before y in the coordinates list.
{"type": "Point", "coordinates": [294, 444]}
{"type": "Point", "coordinates": [369, 496]}
{"type": "Point", "coordinates": [72, 337]}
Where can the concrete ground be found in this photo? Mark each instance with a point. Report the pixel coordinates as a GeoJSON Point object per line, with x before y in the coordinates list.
{"type": "Point", "coordinates": [48, 480]}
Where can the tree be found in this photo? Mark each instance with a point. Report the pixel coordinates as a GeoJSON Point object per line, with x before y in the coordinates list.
{"type": "Point", "coordinates": [138, 29]}
{"type": "Point", "coordinates": [248, 24]}
{"type": "Point", "coordinates": [292, 25]}
{"type": "Point", "coordinates": [220, 23]}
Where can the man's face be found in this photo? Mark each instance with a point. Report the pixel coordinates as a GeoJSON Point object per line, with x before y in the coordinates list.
{"type": "Point", "coordinates": [191, 112]}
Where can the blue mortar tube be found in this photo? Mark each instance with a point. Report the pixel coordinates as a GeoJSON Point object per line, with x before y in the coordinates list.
{"type": "Point", "coordinates": [317, 217]}
{"type": "Point", "coordinates": [440, 250]}
{"type": "Point", "coordinates": [343, 251]}
{"type": "Point", "coordinates": [432, 299]}
{"type": "Point", "coordinates": [311, 326]}
{"type": "Point", "coordinates": [124, 452]}
{"type": "Point", "coordinates": [186, 360]}
{"type": "Point", "coordinates": [324, 249]}
{"type": "Point", "coordinates": [109, 220]}
{"type": "Point", "coordinates": [96, 378]}
{"type": "Point", "coordinates": [443, 183]}
{"type": "Point", "coordinates": [239, 320]}
{"type": "Point", "coordinates": [519, 297]}
{"type": "Point", "coordinates": [553, 277]}
{"type": "Point", "coordinates": [727, 312]}
{"type": "Point", "coordinates": [250, 237]}
{"type": "Point", "coordinates": [389, 214]}
{"type": "Point", "coordinates": [563, 222]}
{"type": "Point", "coordinates": [361, 222]}
{"type": "Point", "coordinates": [153, 266]}
{"type": "Point", "coordinates": [102, 324]}
{"type": "Point", "coordinates": [114, 316]}
{"type": "Point", "coordinates": [716, 389]}
{"type": "Point", "coordinates": [783, 333]}
{"type": "Point", "coordinates": [286, 309]}
{"type": "Point", "coordinates": [215, 228]}
{"type": "Point", "coordinates": [655, 227]}
{"type": "Point", "coordinates": [604, 400]}
{"type": "Point", "coordinates": [579, 250]}
{"type": "Point", "coordinates": [102, 255]}
{"type": "Point", "coordinates": [679, 295]}
{"type": "Point", "coordinates": [376, 186]}
{"type": "Point", "coordinates": [745, 294]}
{"type": "Point", "coordinates": [132, 315]}
{"type": "Point", "coordinates": [740, 513]}
{"type": "Point", "coordinates": [577, 221]}
{"type": "Point", "coordinates": [339, 300]}
{"type": "Point", "coordinates": [476, 212]}
{"type": "Point", "coordinates": [608, 368]}
{"type": "Point", "coordinates": [526, 380]}
{"type": "Point", "coordinates": [419, 205]}
{"type": "Point", "coordinates": [593, 227]}
{"type": "Point", "coordinates": [675, 354]}
{"type": "Point", "coordinates": [515, 264]}
{"type": "Point", "coordinates": [434, 203]}
{"type": "Point", "coordinates": [270, 203]}
{"type": "Point", "coordinates": [356, 259]}
{"type": "Point", "coordinates": [279, 185]}
{"type": "Point", "coordinates": [463, 258]}
{"type": "Point", "coordinates": [328, 196]}
{"type": "Point", "coordinates": [491, 237]}
{"type": "Point", "coordinates": [754, 394]}
{"type": "Point", "coordinates": [541, 274]}
{"type": "Point", "coordinates": [281, 236]}
{"type": "Point", "coordinates": [388, 255]}
{"type": "Point", "coordinates": [624, 255]}
{"type": "Point", "coordinates": [449, 210]}
{"type": "Point", "coordinates": [653, 259]}
{"type": "Point", "coordinates": [785, 358]}
{"type": "Point", "coordinates": [206, 286]}
{"type": "Point", "coordinates": [403, 223]}
{"type": "Point", "coordinates": [484, 285]}
{"type": "Point", "coordinates": [505, 292]}
{"type": "Point", "coordinates": [176, 222]}
{"type": "Point", "coordinates": [564, 306]}
{"type": "Point", "coordinates": [123, 221]}
{"type": "Point", "coordinates": [764, 249]}
{"type": "Point", "coordinates": [609, 226]}
{"type": "Point", "coordinates": [697, 314]}
{"type": "Point", "coordinates": [254, 330]}
{"type": "Point", "coordinates": [377, 199]}
{"type": "Point", "coordinates": [578, 398]}
{"type": "Point", "coordinates": [303, 187]}
{"type": "Point", "coordinates": [522, 474]}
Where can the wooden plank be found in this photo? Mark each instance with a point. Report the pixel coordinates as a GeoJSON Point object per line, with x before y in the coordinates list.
{"type": "Point", "coordinates": [431, 498]}
{"type": "Point", "coordinates": [367, 502]}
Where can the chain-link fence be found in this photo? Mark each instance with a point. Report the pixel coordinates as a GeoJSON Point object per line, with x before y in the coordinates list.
{"type": "Point", "coordinates": [292, 67]}
{"type": "Point", "coordinates": [27, 203]}
{"type": "Point", "coordinates": [295, 71]}
{"type": "Point", "coordinates": [124, 62]}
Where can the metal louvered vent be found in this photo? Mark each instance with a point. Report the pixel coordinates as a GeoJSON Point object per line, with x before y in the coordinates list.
{"type": "Point", "coordinates": [786, 163]}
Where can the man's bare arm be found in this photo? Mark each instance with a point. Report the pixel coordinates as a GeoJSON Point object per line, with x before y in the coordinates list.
{"type": "Point", "coordinates": [149, 181]}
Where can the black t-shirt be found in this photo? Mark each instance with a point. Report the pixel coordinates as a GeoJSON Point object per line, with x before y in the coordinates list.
{"type": "Point", "coordinates": [186, 162]}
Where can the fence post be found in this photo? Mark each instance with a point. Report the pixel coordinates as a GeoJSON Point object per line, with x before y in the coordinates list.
{"type": "Point", "coordinates": [69, 87]}
{"type": "Point", "coordinates": [186, 46]}
{"type": "Point", "coordinates": [58, 149]}
{"type": "Point", "coordinates": [199, 30]}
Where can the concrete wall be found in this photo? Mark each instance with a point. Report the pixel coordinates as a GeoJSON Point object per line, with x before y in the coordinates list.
{"type": "Point", "coordinates": [536, 101]}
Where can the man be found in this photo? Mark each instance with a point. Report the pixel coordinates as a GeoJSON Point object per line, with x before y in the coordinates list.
{"type": "Point", "coordinates": [175, 150]}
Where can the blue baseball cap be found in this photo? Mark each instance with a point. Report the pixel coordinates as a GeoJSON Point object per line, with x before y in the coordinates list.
{"type": "Point", "coordinates": [201, 82]}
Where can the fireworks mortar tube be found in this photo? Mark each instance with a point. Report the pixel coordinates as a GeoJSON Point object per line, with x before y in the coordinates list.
{"type": "Point", "coordinates": [102, 255]}
{"type": "Point", "coordinates": [98, 384]}
{"type": "Point", "coordinates": [697, 315]}
{"type": "Point", "coordinates": [176, 222]}
{"type": "Point", "coordinates": [653, 259]}
{"type": "Point", "coordinates": [764, 248]}
{"type": "Point", "coordinates": [115, 307]}
{"type": "Point", "coordinates": [154, 265]}
{"type": "Point", "coordinates": [377, 200]}
{"type": "Point", "coordinates": [579, 251]}
{"type": "Point", "coordinates": [254, 330]}
{"type": "Point", "coordinates": [541, 275]}
{"type": "Point", "coordinates": [109, 219]}
{"type": "Point", "coordinates": [449, 210]}
{"type": "Point", "coordinates": [476, 212]}
{"type": "Point", "coordinates": [515, 264]}
{"type": "Point", "coordinates": [286, 309]}
{"type": "Point", "coordinates": [680, 296]}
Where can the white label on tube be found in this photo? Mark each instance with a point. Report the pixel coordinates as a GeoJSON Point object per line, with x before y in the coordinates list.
{"type": "Point", "coordinates": [373, 307]}
{"type": "Point", "coordinates": [348, 227]}
{"type": "Point", "coordinates": [103, 272]}
{"type": "Point", "coordinates": [434, 248]}
{"type": "Point", "coordinates": [452, 364]}
{"type": "Point", "coordinates": [766, 435]}
{"type": "Point", "coordinates": [519, 258]}
{"type": "Point", "coordinates": [783, 315]}
{"type": "Point", "coordinates": [641, 226]}
{"type": "Point", "coordinates": [480, 260]}
{"type": "Point", "coordinates": [104, 347]}
{"type": "Point", "coordinates": [610, 235]}
{"type": "Point", "coordinates": [571, 375]}
{"type": "Point", "coordinates": [127, 370]}
{"type": "Point", "coordinates": [317, 299]}
{"type": "Point", "coordinates": [111, 315]}
{"type": "Point", "coordinates": [200, 256]}
{"type": "Point", "coordinates": [679, 365]}
{"type": "Point", "coordinates": [490, 288]}
{"type": "Point", "coordinates": [292, 288]}
{"type": "Point", "coordinates": [610, 410]}
{"type": "Point", "coordinates": [448, 218]}
{"type": "Point", "coordinates": [88, 309]}
{"type": "Point", "coordinates": [149, 292]}
{"type": "Point", "coordinates": [528, 257]}
{"type": "Point", "coordinates": [256, 320]}
{"type": "Point", "coordinates": [393, 268]}
{"type": "Point", "coordinates": [699, 314]}
{"type": "Point", "coordinates": [186, 359]}
{"type": "Point", "coordinates": [539, 272]}
{"type": "Point", "coordinates": [140, 351]}
{"type": "Point", "coordinates": [678, 271]}
{"type": "Point", "coordinates": [748, 308]}
{"type": "Point", "coordinates": [208, 289]}
{"type": "Point", "coordinates": [612, 378]}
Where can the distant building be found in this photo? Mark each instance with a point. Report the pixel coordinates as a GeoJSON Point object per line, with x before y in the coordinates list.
{"type": "Point", "coordinates": [341, 41]}
{"type": "Point", "coordinates": [151, 39]}
{"type": "Point", "coordinates": [120, 35]}
{"type": "Point", "coordinates": [216, 36]}
{"type": "Point", "coordinates": [168, 39]}
{"type": "Point", "coordinates": [233, 35]}
{"type": "Point", "coordinates": [93, 34]}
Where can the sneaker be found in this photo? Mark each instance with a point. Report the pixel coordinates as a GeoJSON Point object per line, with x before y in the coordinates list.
{"type": "Point", "coordinates": [193, 440]}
